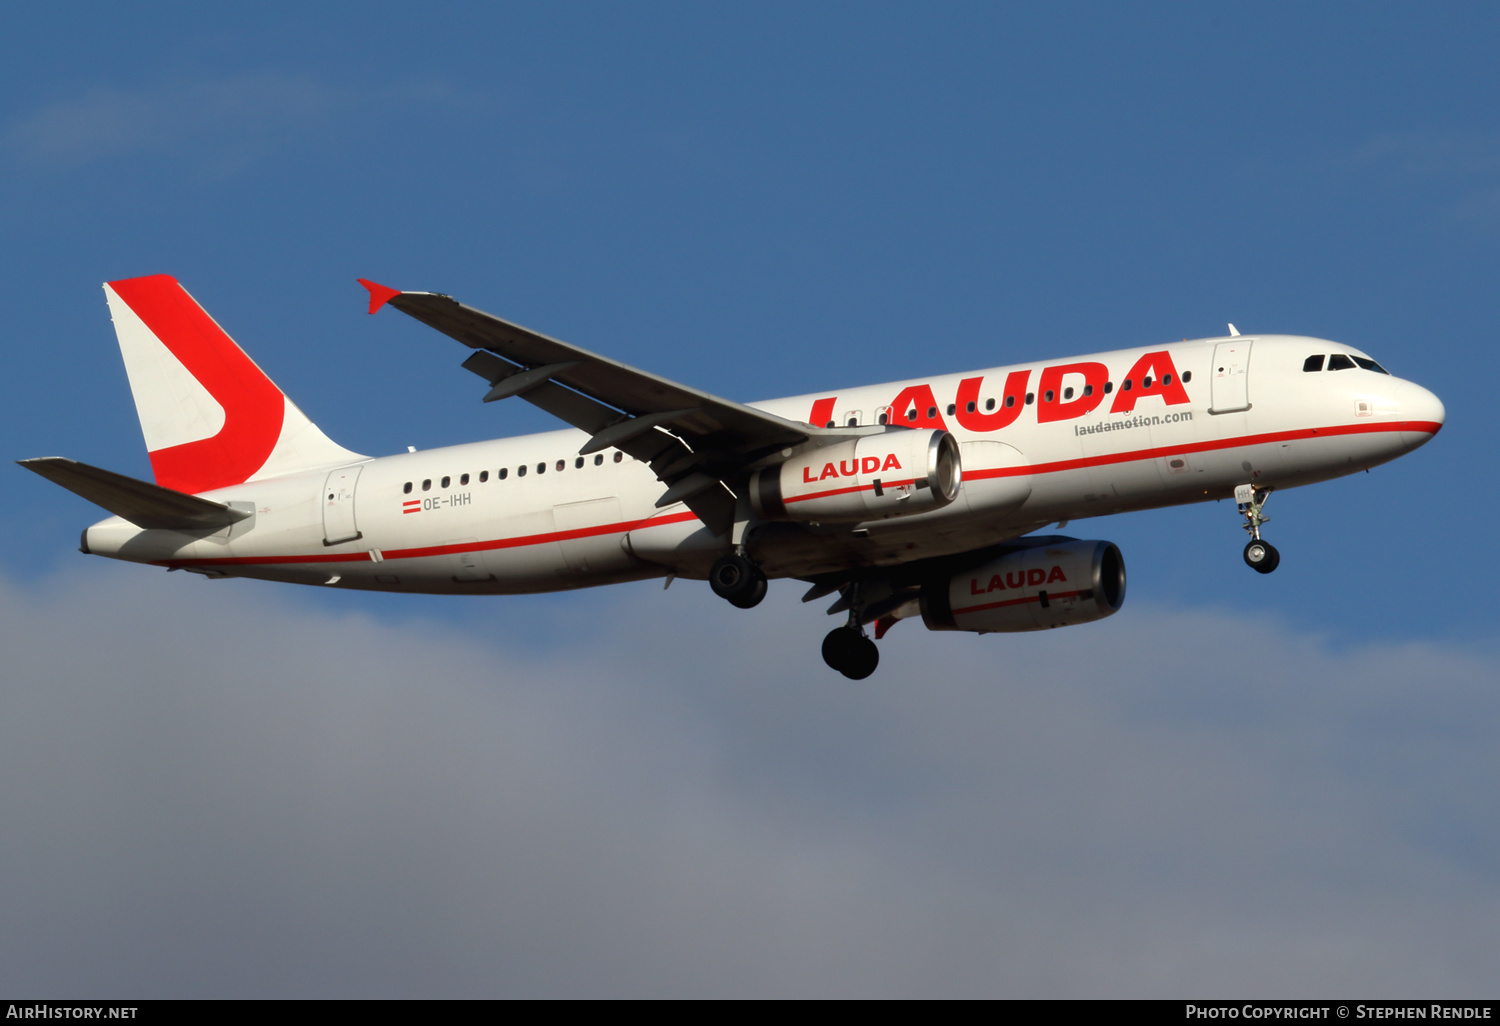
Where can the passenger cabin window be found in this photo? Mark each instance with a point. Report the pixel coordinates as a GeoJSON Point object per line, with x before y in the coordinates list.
{"type": "Point", "coordinates": [484, 475]}
{"type": "Point", "coordinates": [1312, 364]}
{"type": "Point", "coordinates": [1109, 386]}
{"type": "Point", "coordinates": [464, 480]}
{"type": "Point", "coordinates": [447, 481]}
{"type": "Point", "coordinates": [561, 464]}
{"type": "Point", "coordinates": [598, 459]}
{"type": "Point", "coordinates": [1125, 387]}
{"type": "Point", "coordinates": [1187, 376]}
{"type": "Point", "coordinates": [619, 456]}
{"type": "Point", "coordinates": [1338, 361]}
{"type": "Point", "coordinates": [1371, 365]}
{"type": "Point", "coordinates": [1030, 398]}
{"type": "Point", "coordinates": [578, 463]}
{"type": "Point", "coordinates": [1068, 392]}
{"type": "Point", "coordinates": [1048, 395]}
{"type": "Point", "coordinates": [989, 404]}
{"type": "Point", "coordinates": [406, 488]}
{"type": "Point", "coordinates": [541, 468]}
{"type": "Point", "coordinates": [521, 470]}
{"type": "Point", "coordinates": [1010, 401]}
{"type": "Point", "coordinates": [427, 485]}
{"type": "Point", "coordinates": [503, 473]}
{"type": "Point", "coordinates": [952, 409]}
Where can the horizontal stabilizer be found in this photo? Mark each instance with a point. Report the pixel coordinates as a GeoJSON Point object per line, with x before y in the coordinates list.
{"type": "Point", "coordinates": [143, 504]}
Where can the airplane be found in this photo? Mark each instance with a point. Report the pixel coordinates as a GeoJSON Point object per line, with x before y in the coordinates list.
{"type": "Point", "coordinates": [911, 499]}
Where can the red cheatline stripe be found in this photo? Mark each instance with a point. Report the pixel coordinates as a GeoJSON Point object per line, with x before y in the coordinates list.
{"type": "Point", "coordinates": [1428, 426]}
{"type": "Point", "coordinates": [437, 550]}
{"type": "Point", "coordinates": [788, 500]}
{"type": "Point", "coordinates": [1016, 602]}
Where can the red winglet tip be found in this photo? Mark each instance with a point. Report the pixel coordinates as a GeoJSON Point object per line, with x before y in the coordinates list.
{"type": "Point", "coordinates": [379, 294]}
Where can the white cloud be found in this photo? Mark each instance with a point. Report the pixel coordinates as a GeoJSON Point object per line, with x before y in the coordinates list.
{"type": "Point", "coordinates": [223, 123]}
{"type": "Point", "coordinates": [217, 789]}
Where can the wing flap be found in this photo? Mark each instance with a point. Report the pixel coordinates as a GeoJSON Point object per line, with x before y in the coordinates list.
{"type": "Point", "coordinates": [145, 505]}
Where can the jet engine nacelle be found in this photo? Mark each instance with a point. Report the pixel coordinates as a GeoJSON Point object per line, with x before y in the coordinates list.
{"type": "Point", "coordinates": [891, 474]}
{"type": "Point", "coordinates": [1054, 584]}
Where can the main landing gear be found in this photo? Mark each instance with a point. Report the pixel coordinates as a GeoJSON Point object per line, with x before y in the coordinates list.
{"type": "Point", "coordinates": [1260, 556]}
{"type": "Point", "coordinates": [848, 649]}
{"type": "Point", "coordinates": [737, 580]}
{"type": "Point", "coordinates": [850, 652]}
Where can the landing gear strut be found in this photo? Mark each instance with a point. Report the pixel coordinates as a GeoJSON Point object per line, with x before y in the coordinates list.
{"type": "Point", "coordinates": [849, 651]}
{"type": "Point", "coordinates": [737, 580]}
{"type": "Point", "coordinates": [1260, 556]}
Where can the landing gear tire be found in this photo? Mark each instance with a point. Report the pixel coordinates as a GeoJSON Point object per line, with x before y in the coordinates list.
{"type": "Point", "coordinates": [738, 581]}
{"type": "Point", "coordinates": [1261, 556]}
{"type": "Point", "coordinates": [753, 597]}
{"type": "Point", "coordinates": [847, 650]}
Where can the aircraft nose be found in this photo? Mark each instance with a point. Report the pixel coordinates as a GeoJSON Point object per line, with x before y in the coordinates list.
{"type": "Point", "coordinates": [1422, 414]}
{"type": "Point", "coordinates": [1428, 407]}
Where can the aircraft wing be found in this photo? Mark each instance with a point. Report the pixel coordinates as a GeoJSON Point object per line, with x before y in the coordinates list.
{"type": "Point", "coordinates": [694, 442]}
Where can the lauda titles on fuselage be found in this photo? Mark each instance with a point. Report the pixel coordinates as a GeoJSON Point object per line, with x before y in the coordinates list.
{"type": "Point", "coordinates": [909, 499]}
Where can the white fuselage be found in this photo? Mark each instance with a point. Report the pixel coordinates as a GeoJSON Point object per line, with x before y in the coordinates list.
{"type": "Point", "coordinates": [465, 519]}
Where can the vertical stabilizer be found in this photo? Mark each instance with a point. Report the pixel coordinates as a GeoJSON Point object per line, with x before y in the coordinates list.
{"type": "Point", "coordinates": [210, 416]}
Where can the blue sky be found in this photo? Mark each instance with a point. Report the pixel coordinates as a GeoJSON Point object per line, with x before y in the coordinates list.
{"type": "Point", "coordinates": [774, 199]}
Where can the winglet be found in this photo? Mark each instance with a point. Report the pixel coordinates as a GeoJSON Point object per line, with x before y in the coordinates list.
{"type": "Point", "coordinates": [379, 294]}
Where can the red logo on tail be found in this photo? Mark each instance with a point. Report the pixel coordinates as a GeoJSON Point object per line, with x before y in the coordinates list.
{"type": "Point", "coordinates": [253, 405]}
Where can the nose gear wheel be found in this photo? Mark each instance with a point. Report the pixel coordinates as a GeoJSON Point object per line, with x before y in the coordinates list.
{"type": "Point", "coordinates": [1261, 556]}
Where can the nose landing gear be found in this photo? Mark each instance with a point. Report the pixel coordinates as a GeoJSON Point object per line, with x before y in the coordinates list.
{"type": "Point", "coordinates": [1260, 556]}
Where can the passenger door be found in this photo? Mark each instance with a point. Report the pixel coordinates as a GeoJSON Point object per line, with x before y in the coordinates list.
{"type": "Point", "coordinates": [1230, 391]}
{"type": "Point", "coordinates": [338, 506]}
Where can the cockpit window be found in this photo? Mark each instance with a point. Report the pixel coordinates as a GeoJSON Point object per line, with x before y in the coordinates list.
{"type": "Point", "coordinates": [1312, 363]}
{"type": "Point", "coordinates": [1370, 365]}
{"type": "Point", "coordinates": [1338, 361]}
